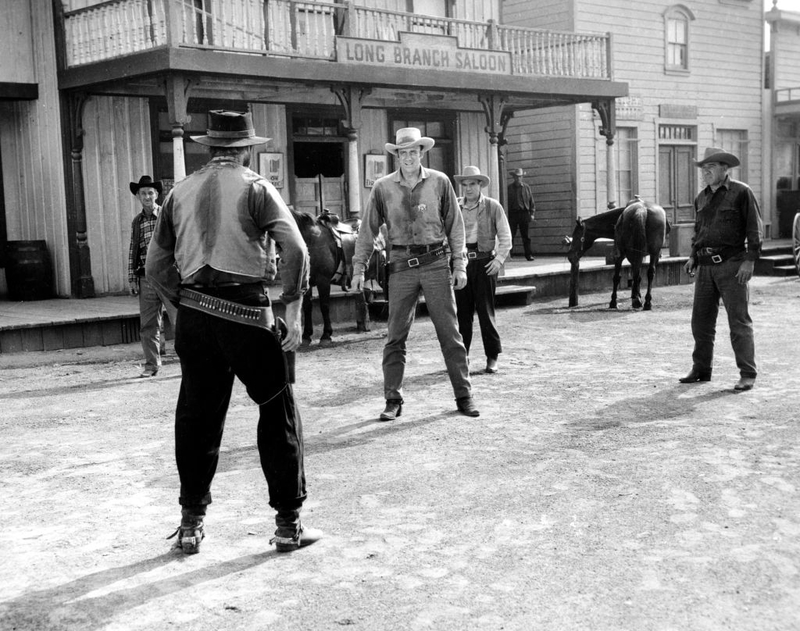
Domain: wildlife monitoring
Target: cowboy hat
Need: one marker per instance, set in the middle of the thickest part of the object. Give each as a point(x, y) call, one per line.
point(146, 181)
point(472, 173)
point(519, 172)
point(230, 129)
point(409, 137)
point(715, 154)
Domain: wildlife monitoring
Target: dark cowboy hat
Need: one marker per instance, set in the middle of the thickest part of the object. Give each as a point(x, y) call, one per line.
point(146, 181)
point(715, 154)
point(230, 129)
point(472, 173)
point(409, 137)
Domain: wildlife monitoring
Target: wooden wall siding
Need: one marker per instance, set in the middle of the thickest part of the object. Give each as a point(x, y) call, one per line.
point(785, 44)
point(270, 121)
point(117, 151)
point(638, 33)
point(543, 143)
point(16, 45)
point(473, 148)
point(33, 168)
point(477, 10)
point(549, 14)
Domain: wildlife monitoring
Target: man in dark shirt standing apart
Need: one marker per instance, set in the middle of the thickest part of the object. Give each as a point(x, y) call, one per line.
point(151, 306)
point(420, 210)
point(521, 210)
point(727, 242)
point(216, 225)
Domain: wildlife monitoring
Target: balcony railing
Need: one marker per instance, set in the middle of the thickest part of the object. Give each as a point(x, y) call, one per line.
point(115, 28)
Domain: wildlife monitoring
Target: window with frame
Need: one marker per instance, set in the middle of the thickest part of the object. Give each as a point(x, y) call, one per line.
point(677, 20)
point(626, 155)
point(440, 157)
point(735, 141)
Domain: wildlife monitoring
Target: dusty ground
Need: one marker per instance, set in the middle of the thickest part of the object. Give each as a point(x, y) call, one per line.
point(594, 492)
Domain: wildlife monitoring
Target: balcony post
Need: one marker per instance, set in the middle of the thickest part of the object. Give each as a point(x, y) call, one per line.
point(351, 98)
point(172, 16)
point(607, 110)
point(177, 88)
point(80, 254)
point(493, 109)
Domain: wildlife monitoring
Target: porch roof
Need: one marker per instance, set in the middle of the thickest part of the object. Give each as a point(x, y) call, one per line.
point(219, 73)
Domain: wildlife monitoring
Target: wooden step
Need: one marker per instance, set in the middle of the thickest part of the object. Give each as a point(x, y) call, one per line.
point(784, 270)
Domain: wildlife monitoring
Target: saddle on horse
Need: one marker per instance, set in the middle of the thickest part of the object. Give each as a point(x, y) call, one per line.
point(344, 235)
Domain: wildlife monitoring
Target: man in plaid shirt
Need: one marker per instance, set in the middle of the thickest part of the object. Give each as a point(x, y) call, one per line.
point(147, 192)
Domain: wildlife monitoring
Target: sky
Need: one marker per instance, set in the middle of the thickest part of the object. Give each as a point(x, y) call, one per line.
point(784, 5)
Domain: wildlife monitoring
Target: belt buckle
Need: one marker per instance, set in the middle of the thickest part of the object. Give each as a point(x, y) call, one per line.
point(716, 258)
point(413, 262)
point(472, 255)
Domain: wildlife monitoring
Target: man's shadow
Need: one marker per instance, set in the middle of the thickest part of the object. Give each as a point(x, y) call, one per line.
point(70, 605)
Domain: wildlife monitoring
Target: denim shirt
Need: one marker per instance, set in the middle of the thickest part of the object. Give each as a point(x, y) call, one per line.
point(216, 223)
point(494, 232)
point(424, 215)
point(726, 218)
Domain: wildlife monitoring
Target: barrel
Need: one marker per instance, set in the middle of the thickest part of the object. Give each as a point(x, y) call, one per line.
point(29, 270)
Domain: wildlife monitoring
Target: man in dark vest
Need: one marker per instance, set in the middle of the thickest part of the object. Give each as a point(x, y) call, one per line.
point(521, 209)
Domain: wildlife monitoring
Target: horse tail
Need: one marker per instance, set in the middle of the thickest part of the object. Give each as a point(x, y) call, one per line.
point(635, 228)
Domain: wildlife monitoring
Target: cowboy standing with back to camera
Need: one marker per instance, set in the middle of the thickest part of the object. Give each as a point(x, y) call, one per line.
point(216, 225)
point(727, 242)
point(420, 210)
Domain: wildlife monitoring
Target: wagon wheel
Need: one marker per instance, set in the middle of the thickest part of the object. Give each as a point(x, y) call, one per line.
point(796, 242)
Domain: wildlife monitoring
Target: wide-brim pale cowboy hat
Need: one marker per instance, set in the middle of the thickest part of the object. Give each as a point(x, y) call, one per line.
point(473, 173)
point(715, 154)
point(519, 172)
point(144, 182)
point(409, 137)
point(230, 129)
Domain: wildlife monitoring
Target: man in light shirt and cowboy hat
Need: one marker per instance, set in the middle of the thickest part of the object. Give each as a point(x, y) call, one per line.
point(425, 231)
point(216, 224)
point(728, 233)
point(488, 240)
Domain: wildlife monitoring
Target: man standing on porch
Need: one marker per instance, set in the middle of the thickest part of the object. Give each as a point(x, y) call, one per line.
point(420, 210)
point(151, 305)
point(521, 209)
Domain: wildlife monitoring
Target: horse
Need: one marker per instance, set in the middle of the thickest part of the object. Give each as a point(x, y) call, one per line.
point(331, 244)
point(638, 228)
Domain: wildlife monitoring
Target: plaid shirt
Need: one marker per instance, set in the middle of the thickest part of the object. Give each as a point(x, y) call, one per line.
point(141, 233)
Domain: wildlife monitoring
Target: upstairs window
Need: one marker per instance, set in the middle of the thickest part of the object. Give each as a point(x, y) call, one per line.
point(677, 20)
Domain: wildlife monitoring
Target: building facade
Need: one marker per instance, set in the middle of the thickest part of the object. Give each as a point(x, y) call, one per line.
point(695, 72)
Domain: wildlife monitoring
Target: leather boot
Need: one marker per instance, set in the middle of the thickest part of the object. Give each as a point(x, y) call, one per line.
point(191, 532)
point(291, 535)
point(696, 375)
point(393, 409)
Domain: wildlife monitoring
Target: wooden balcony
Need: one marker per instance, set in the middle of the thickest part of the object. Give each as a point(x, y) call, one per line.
point(308, 30)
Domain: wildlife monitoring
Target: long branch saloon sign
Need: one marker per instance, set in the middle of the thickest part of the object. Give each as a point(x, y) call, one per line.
point(425, 52)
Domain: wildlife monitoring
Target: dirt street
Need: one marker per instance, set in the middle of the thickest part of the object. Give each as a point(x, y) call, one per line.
point(594, 492)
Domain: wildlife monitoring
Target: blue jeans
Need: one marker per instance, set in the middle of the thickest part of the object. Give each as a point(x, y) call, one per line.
point(435, 282)
point(478, 296)
point(151, 324)
point(712, 283)
point(212, 351)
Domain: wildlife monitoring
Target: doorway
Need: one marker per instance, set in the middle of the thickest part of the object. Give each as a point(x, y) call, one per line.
point(318, 173)
point(677, 182)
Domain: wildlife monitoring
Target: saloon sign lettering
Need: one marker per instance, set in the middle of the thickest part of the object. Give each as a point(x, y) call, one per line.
point(425, 52)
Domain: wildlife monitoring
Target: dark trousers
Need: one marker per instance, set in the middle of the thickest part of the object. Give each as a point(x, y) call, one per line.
point(521, 220)
point(712, 283)
point(478, 296)
point(212, 351)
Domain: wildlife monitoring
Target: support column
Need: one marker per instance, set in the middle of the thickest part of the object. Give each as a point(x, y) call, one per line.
point(351, 98)
point(503, 142)
point(608, 128)
point(493, 109)
point(81, 260)
point(177, 88)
